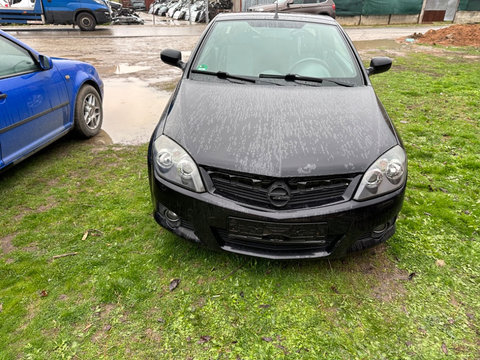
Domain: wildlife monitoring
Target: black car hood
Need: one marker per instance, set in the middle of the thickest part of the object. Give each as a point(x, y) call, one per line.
point(280, 131)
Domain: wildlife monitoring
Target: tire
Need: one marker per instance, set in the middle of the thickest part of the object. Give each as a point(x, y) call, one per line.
point(88, 112)
point(86, 21)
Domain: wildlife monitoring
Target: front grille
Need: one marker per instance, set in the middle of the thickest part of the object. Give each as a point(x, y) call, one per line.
point(274, 246)
point(257, 190)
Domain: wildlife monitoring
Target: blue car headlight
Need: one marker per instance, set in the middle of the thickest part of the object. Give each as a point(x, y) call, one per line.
point(385, 175)
point(174, 164)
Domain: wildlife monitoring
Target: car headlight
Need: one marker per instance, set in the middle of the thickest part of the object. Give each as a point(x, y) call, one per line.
point(175, 165)
point(385, 175)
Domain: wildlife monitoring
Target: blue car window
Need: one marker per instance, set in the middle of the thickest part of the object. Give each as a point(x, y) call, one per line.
point(14, 59)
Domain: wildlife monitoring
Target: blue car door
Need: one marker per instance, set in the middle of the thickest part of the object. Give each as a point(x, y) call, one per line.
point(34, 104)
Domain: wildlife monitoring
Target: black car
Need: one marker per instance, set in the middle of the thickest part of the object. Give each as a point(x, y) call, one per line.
point(274, 143)
point(137, 4)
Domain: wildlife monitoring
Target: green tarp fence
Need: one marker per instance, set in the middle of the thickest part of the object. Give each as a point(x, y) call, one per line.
point(469, 5)
point(380, 7)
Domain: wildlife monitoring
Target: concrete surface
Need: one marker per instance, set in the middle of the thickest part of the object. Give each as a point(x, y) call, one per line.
point(349, 20)
point(403, 19)
point(374, 19)
point(467, 17)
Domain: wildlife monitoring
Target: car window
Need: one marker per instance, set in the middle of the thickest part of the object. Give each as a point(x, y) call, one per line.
point(14, 59)
point(278, 47)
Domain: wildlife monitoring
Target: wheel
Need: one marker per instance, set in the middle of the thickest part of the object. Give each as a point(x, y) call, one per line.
point(86, 21)
point(88, 112)
point(310, 67)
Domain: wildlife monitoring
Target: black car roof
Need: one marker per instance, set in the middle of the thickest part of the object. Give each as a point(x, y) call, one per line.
point(251, 15)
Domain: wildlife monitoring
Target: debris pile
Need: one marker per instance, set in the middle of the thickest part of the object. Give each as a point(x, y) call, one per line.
point(455, 35)
point(186, 10)
point(124, 16)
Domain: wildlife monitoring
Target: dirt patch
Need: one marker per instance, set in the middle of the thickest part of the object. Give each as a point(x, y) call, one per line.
point(32, 310)
point(103, 311)
point(101, 140)
point(385, 279)
point(6, 244)
point(455, 35)
point(32, 248)
point(43, 208)
point(153, 335)
point(168, 85)
point(50, 203)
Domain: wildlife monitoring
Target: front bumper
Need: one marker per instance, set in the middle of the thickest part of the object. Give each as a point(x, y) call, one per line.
point(103, 16)
point(327, 231)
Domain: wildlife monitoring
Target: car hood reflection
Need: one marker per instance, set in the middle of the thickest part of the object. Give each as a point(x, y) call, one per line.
point(273, 131)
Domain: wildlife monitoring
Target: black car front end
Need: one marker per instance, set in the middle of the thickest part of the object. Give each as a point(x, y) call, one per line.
point(254, 159)
point(239, 213)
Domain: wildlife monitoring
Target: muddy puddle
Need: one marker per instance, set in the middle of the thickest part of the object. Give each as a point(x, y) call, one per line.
point(131, 109)
point(128, 69)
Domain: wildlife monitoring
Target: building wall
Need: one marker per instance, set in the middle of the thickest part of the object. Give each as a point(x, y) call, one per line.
point(467, 17)
point(351, 12)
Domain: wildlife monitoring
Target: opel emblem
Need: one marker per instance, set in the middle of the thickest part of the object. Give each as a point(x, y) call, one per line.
point(279, 194)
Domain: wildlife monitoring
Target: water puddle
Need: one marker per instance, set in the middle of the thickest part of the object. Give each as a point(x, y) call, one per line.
point(128, 69)
point(131, 110)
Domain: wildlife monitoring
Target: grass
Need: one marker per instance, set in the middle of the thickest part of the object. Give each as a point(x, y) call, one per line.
point(415, 298)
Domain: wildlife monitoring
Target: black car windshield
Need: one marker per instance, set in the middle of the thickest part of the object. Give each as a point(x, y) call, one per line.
point(272, 49)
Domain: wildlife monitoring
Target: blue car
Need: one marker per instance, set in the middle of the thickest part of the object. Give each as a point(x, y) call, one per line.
point(42, 99)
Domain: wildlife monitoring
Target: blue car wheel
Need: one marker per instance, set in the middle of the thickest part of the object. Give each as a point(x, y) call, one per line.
point(88, 112)
point(86, 21)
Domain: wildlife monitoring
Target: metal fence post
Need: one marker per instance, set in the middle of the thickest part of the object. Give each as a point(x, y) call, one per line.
point(420, 17)
point(206, 14)
point(190, 13)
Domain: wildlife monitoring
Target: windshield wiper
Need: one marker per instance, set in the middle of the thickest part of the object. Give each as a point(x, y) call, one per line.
point(223, 75)
point(295, 77)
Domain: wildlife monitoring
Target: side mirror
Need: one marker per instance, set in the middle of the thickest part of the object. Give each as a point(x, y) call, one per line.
point(45, 62)
point(379, 65)
point(172, 57)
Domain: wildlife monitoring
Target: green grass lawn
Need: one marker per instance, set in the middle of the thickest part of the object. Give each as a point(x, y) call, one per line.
point(417, 297)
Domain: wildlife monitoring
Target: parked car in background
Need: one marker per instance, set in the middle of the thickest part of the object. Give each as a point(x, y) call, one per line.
point(115, 6)
point(85, 13)
point(138, 4)
point(318, 7)
point(274, 143)
point(42, 99)
point(23, 4)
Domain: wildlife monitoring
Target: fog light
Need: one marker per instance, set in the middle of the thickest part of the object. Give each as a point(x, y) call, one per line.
point(173, 219)
point(379, 230)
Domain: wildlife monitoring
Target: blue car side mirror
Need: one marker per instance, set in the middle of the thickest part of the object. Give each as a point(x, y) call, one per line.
point(45, 62)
